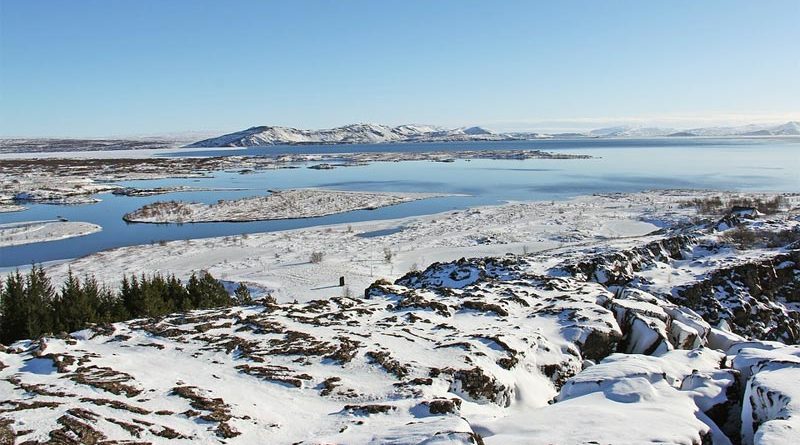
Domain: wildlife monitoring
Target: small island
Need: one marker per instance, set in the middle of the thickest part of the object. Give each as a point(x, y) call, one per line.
point(284, 204)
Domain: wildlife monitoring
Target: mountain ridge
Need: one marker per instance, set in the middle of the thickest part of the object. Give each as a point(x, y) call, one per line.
point(360, 133)
point(366, 133)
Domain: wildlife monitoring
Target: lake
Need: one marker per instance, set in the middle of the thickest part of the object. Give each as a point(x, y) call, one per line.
point(619, 165)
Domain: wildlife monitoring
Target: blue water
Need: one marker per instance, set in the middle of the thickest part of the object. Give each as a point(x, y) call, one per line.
point(543, 144)
point(617, 166)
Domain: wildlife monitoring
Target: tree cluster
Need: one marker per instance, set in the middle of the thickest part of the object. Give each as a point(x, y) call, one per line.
point(31, 307)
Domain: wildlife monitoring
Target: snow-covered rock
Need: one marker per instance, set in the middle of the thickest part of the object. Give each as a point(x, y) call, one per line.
point(517, 349)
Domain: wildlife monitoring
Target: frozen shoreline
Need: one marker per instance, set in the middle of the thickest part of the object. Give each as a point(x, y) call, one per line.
point(15, 234)
point(285, 204)
point(7, 208)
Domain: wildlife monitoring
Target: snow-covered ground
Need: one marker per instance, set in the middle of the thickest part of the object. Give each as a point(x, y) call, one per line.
point(11, 208)
point(96, 154)
point(279, 262)
point(282, 204)
point(27, 232)
point(579, 344)
point(50, 189)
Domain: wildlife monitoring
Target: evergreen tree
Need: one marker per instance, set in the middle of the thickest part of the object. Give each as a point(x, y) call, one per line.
point(92, 291)
point(132, 299)
point(154, 296)
point(242, 295)
point(29, 307)
point(206, 291)
point(177, 294)
point(76, 307)
point(39, 304)
point(12, 318)
point(109, 306)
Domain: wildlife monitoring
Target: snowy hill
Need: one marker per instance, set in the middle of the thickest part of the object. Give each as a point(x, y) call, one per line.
point(376, 134)
point(349, 134)
point(787, 129)
point(629, 131)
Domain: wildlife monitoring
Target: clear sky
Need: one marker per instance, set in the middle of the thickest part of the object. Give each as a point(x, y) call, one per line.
point(98, 68)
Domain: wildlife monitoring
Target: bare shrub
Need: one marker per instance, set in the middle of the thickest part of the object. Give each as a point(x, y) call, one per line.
point(387, 255)
point(316, 257)
point(741, 237)
point(745, 238)
point(767, 206)
point(708, 205)
point(782, 238)
point(717, 205)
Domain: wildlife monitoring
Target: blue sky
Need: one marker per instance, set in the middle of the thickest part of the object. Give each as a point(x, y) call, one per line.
point(98, 68)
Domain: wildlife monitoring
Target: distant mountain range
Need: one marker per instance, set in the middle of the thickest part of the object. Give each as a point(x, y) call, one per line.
point(349, 134)
point(376, 134)
point(787, 129)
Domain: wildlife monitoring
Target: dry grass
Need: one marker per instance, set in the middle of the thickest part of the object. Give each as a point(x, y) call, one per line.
point(718, 205)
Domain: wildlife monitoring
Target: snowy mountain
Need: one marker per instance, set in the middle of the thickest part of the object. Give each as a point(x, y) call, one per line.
point(349, 134)
point(787, 129)
point(377, 133)
point(630, 131)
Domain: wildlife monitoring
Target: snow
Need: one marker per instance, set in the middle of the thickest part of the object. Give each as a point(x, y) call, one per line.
point(11, 208)
point(772, 406)
point(14, 234)
point(348, 134)
point(634, 411)
point(519, 348)
point(50, 189)
point(97, 154)
point(278, 262)
point(771, 402)
point(267, 410)
point(284, 204)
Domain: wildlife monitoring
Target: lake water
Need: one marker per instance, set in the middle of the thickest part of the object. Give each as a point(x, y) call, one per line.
point(619, 166)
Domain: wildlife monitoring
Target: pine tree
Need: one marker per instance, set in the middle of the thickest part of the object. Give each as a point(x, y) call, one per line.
point(76, 307)
point(154, 295)
point(206, 291)
point(177, 294)
point(38, 306)
point(29, 307)
point(12, 318)
point(92, 291)
point(242, 295)
point(132, 297)
point(109, 306)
